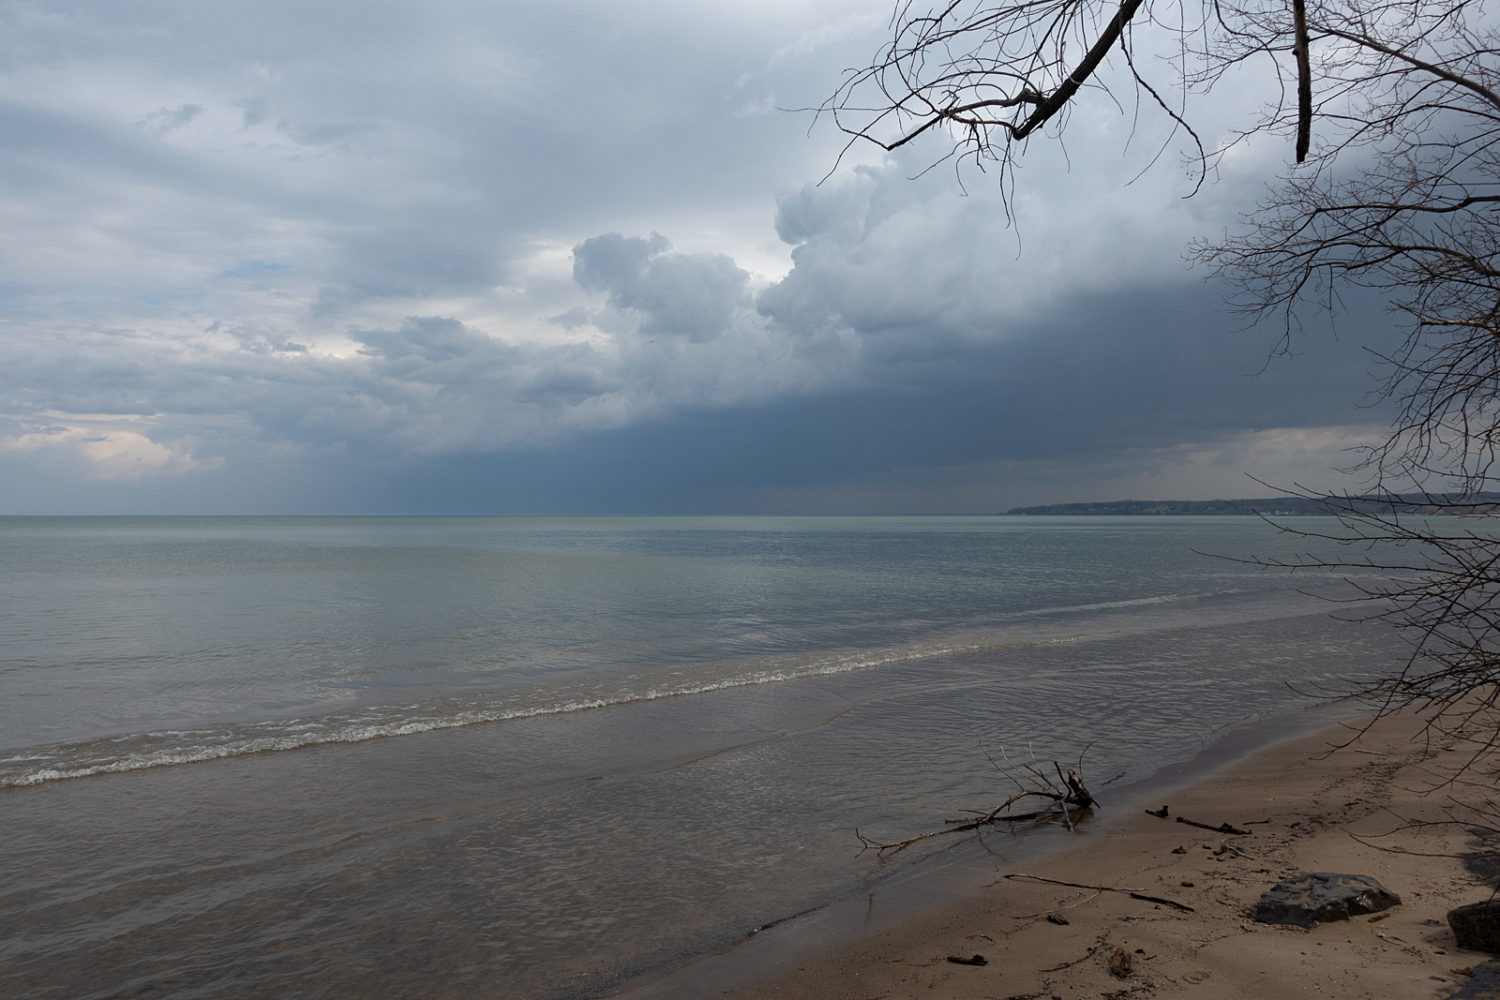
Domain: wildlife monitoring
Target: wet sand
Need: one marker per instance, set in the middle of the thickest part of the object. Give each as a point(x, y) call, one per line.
point(1305, 810)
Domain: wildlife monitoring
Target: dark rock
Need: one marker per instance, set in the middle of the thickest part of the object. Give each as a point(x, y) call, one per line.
point(1477, 926)
point(1310, 899)
point(1483, 984)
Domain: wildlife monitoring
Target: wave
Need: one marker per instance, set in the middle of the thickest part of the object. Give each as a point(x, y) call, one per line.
point(169, 747)
point(1128, 603)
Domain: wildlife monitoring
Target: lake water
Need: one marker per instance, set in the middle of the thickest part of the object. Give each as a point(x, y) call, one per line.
point(359, 757)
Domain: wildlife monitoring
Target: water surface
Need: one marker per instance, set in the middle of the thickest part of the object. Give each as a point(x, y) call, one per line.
point(386, 756)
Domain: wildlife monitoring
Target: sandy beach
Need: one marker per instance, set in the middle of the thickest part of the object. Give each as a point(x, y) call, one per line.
point(1305, 810)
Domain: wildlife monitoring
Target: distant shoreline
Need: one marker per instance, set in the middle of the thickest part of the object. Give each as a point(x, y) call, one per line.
point(1283, 506)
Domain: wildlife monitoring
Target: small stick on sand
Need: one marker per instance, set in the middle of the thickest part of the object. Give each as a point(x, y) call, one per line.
point(1132, 893)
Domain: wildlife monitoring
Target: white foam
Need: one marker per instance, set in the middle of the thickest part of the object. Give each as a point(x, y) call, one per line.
point(164, 748)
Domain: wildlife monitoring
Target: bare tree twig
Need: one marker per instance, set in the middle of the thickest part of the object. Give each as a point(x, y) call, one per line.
point(1393, 110)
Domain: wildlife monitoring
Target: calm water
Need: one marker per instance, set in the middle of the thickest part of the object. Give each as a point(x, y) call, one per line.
point(528, 758)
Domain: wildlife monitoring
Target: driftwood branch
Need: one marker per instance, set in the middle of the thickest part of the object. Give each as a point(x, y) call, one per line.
point(1221, 828)
point(1067, 794)
point(1132, 893)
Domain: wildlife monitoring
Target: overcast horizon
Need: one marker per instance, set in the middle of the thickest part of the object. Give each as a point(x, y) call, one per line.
point(567, 258)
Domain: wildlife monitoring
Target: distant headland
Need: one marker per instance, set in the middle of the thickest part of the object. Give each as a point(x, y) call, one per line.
point(1283, 506)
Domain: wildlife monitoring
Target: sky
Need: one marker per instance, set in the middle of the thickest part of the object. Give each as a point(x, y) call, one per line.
point(562, 257)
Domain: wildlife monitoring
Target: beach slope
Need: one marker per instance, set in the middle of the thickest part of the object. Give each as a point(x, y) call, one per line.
point(1304, 810)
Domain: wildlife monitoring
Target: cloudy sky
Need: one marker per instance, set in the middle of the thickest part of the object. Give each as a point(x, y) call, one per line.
point(576, 257)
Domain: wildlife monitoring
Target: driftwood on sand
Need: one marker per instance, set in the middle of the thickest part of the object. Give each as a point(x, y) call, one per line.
point(1066, 795)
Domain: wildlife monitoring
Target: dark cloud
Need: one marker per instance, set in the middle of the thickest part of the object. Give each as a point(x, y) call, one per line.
point(167, 119)
point(256, 110)
point(1143, 376)
point(428, 338)
point(693, 296)
point(1146, 375)
point(608, 262)
point(268, 254)
point(385, 259)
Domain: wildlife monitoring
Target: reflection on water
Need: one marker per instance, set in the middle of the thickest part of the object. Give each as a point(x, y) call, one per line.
point(848, 673)
point(556, 854)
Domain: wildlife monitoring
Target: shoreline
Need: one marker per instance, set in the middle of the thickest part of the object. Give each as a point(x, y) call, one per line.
point(1303, 808)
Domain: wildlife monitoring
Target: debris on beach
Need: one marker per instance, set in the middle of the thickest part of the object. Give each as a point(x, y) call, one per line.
point(1477, 926)
point(1483, 982)
point(1309, 899)
point(1069, 797)
point(1221, 828)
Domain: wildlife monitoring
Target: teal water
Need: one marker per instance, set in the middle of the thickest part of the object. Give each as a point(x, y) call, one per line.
point(390, 756)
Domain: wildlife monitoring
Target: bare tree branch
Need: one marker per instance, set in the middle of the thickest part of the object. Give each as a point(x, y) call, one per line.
point(1304, 79)
point(1393, 116)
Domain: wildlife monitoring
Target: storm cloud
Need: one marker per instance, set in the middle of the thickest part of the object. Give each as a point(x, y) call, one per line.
point(543, 258)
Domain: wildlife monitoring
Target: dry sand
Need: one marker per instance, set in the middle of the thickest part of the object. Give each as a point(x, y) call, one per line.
point(1306, 810)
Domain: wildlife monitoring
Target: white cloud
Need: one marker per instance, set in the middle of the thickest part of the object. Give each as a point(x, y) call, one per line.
point(99, 446)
